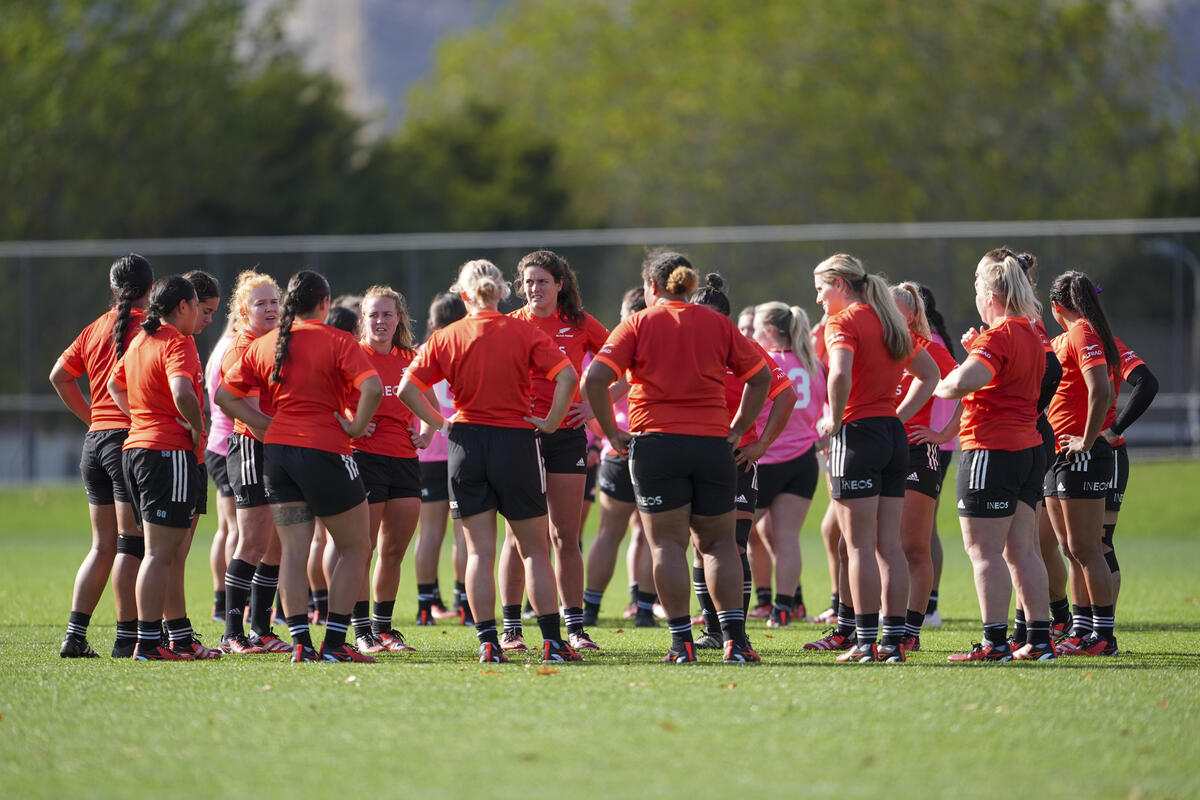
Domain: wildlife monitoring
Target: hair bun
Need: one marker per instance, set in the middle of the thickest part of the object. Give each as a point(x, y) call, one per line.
point(715, 281)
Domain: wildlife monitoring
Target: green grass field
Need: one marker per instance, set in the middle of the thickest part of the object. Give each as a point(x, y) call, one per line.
point(436, 724)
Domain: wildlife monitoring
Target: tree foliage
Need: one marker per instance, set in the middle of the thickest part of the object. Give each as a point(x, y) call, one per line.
point(676, 112)
point(131, 118)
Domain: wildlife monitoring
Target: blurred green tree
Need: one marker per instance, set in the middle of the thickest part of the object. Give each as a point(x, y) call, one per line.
point(676, 112)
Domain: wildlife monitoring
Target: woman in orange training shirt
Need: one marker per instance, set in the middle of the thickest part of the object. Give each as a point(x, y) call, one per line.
point(387, 458)
point(306, 370)
point(158, 383)
point(869, 347)
point(493, 461)
point(681, 452)
point(1002, 459)
point(252, 574)
point(115, 537)
point(1078, 481)
point(548, 284)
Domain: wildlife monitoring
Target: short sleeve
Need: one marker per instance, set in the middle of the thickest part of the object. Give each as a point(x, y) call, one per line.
point(544, 356)
point(617, 351)
point(595, 334)
point(72, 357)
point(118, 373)
point(987, 349)
point(181, 358)
point(839, 335)
point(1086, 347)
point(1129, 360)
point(745, 356)
point(353, 362)
point(425, 370)
point(242, 379)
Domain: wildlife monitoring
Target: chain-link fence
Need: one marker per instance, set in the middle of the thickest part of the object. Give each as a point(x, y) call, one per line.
point(1149, 271)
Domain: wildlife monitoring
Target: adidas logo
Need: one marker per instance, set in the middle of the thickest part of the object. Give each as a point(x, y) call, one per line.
point(913, 477)
point(581, 463)
point(961, 504)
point(741, 498)
point(1062, 487)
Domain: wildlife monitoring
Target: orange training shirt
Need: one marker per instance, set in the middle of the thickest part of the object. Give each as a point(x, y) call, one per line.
point(145, 372)
point(232, 356)
point(574, 341)
point(677, 354)
point(94, 353)
point(323, 365)
point(1002, 415)
point(1078, 349)
point(735, 387)
point(487, 358)
point(874, 373)
point(393, 419)
point(945, 364)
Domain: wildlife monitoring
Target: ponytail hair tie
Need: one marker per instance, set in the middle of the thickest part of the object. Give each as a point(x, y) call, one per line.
point(1098, 289)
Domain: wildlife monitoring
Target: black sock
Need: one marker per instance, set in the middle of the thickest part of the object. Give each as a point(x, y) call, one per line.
point(512, 618)
point(77, 625)
point(262, 596)
point(591, 601)
point(845, 619)
point(485, 631)
point(219, 602)
point(733, 626)
point(551, 627)
point(360, 618)
point(321, 601)
point(747, 584)
point(460, 593)
point(573, 616)
point(127, 631)
point(995, 635)
point(335, 631)
point(1102, 621)
point(933, 598)
point(1019, 635)
point(298, 628)
point(1110, 557)
point(1039, 632)
point(798, 599)
point(762, 596)
point(712, 624)
point(312, 603)
point(633, 592)
point(913, 620)
point(783, 602)
point(279, 615)
point(1060, 611)
point(179, 630)
point(833, 601)
point(681, 631)
point(528, 609)
point(867, 627)
point(1081, 620)
point(381, 620)
point(149, 633)
point(893, 631)
point(425, 596)
point(437, 596)
point(645, 605)
point(238, 578)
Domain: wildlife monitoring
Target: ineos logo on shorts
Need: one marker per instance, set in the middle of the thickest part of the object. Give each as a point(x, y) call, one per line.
point(650, 501)
point(1119, 497)
point(607, 484)
point(1095, 486)
point(454, 504)
point(997, 505)
point(869, 483)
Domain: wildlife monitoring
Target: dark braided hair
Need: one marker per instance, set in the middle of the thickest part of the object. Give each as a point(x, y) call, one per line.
point(712, 294)
point(1074, 291)
point(343, 318)
point(130, 277)
point(305, 291)
point(935, 317)
point(165, 297)
point(570, 305)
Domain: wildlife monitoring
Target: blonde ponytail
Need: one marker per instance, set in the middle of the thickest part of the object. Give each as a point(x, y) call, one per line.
point(909, 294)
point(482, 282)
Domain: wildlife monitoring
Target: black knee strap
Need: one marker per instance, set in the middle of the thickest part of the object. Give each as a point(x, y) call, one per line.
point(131, 546)
point(1110, 557)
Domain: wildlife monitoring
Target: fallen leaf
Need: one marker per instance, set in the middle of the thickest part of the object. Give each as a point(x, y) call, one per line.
point(267, 687)
point(350, 679)
point(667, 726)
point(1162, 704)
point(619, 630)
point(730, 686)
point(768, 636)
point(489, 672)
point(546, 671)
point(1087, 676)
point(1, 718)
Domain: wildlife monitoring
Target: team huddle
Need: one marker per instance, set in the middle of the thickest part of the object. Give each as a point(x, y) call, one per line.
point(334, 437)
